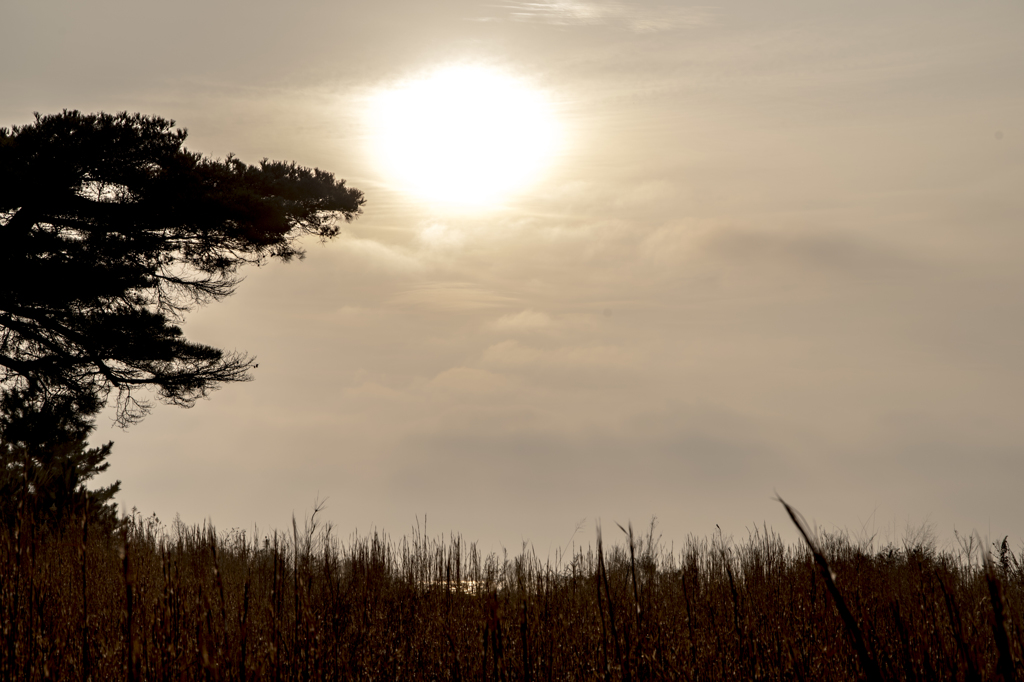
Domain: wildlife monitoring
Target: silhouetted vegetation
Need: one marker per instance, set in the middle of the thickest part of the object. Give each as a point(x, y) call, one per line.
point(190, 604)
point(46, 464)
point(110, 231)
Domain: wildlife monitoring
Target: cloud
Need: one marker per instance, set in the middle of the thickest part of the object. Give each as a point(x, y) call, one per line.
point(525, 320)
point(441, 236)
point(804, 253)
point(450, 297)
point(514, 355)
point(469, 381)
point(575, 366)
point(370, 254)
point(638, 20)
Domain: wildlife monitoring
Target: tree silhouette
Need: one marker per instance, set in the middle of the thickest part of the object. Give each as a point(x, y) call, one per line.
point(110, 231)
point(45, 464)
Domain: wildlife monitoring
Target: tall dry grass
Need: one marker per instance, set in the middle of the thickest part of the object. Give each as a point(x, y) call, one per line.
point(187, 603)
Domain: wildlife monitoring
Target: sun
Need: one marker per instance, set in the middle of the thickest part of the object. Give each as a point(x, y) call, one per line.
point(465, 135)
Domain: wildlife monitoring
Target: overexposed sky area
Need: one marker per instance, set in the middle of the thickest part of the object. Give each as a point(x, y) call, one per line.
point(771, 247)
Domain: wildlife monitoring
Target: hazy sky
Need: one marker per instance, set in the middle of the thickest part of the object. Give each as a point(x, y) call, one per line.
point(778, 247)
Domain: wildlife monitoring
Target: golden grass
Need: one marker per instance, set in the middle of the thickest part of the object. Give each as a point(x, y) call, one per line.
point(191, 604)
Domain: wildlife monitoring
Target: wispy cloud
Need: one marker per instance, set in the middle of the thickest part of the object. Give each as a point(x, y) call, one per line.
point(526, 320)
point(450, 297)
point(637, 19)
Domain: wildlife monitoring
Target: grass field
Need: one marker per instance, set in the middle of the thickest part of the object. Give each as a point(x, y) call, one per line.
point(187, 603)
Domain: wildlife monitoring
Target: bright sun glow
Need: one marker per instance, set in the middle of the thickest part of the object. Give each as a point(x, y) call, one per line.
point(463, 135)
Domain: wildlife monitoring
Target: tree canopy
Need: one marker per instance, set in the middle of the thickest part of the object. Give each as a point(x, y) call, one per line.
point(110, 231)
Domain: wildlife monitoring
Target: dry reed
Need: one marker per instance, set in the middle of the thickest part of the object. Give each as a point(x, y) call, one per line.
point(187, 603)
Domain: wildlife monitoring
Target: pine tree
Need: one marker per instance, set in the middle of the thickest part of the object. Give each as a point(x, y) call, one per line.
point(110, 231)
point(46, 464)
